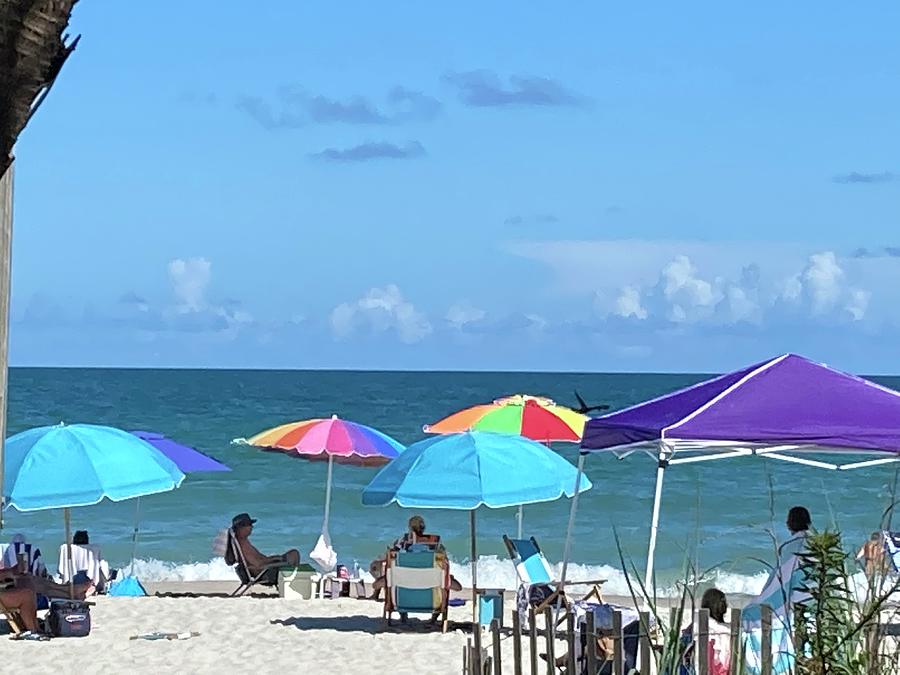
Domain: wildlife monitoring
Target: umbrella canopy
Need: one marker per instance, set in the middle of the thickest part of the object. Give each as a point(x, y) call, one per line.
point(534, 417)
point(80, 464)
point(186, 458)
point(786, 401)
point(335, 439)
point(785, 408)
point(472, 469)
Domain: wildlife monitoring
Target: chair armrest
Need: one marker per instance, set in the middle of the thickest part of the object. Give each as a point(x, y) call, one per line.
point(580, 582)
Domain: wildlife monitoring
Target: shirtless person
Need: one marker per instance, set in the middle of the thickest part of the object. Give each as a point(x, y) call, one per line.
point(242, 524)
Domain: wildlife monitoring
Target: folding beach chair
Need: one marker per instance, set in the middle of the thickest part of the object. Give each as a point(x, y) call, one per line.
point(235, 556)
point(417, 581)
point(533, 570)
point(13, 618)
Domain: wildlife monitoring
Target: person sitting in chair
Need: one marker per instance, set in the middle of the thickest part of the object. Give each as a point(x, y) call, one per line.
point(414, 535)
point(242, 525)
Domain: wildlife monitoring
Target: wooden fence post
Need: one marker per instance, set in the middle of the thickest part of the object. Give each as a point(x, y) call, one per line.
point(476, 656)
point(495, 643)
point(532, 638)
point(618, 645)
point(570, 642)
point(737, 654)
point(765, 642)
point(591, 645)
point(550, 633)
point(701, 645)
point(517, 643)
point(644, 643)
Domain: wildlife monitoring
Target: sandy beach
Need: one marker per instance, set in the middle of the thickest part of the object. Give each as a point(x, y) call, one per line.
point(259, 633)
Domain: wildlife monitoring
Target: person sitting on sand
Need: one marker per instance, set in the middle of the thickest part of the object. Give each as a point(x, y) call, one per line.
point(414, 535)
point(242, 525)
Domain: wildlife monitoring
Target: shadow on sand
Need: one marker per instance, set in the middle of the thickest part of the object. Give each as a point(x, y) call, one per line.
point(360, 624)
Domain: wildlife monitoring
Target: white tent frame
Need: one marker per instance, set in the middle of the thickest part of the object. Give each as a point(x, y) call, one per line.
point(666, 450)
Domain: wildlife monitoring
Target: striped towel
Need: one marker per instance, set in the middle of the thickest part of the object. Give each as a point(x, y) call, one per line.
point(781, 592)
point(18, 546)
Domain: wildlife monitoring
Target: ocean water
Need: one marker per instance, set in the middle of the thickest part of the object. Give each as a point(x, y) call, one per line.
point(720, 515)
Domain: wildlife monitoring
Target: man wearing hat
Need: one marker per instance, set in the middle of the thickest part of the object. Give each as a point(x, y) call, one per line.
point(242, 525)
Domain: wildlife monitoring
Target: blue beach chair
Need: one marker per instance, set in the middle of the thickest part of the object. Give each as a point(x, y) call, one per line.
point(538, 586)
point(418, 582)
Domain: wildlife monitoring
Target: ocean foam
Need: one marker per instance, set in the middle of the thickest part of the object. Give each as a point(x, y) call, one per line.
point(493, 572)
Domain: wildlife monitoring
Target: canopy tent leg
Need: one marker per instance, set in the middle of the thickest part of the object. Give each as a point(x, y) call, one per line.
point(654, 521)
point(327, 495)
point(474, 572)
point(573, 509)
point(520, 516)
point(70, 566)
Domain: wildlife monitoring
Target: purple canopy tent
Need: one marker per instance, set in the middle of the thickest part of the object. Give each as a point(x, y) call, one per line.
point(783, 408)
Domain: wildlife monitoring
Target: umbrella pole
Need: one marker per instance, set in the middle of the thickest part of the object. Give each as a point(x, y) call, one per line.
point(134, 536)
point(520, 517)
point(474, 571)
point(327, 496)
point(654, 520)
point(573, 509)
point(69, 564)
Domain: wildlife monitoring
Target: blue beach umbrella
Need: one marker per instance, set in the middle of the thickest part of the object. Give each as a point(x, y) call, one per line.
point(65, 466)
point(472, 469)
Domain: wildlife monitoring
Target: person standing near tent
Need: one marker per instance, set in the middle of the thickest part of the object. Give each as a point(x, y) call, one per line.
point(780, 592)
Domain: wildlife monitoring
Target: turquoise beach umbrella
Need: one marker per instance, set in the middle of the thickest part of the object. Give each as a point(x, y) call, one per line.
point(81, 464)
point(472, 469)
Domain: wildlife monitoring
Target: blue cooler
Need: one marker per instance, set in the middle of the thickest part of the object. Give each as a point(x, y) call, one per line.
point(490, 605)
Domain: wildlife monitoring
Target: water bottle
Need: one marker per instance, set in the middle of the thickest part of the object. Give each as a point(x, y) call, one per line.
point(356, 569)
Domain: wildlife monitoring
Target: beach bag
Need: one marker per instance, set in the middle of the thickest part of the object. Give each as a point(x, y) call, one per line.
point(69, 618)
point(323, 555)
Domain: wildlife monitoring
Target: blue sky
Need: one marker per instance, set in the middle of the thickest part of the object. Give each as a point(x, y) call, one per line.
point(587, 187)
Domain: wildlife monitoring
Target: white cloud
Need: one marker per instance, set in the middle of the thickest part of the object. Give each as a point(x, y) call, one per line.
point(687, 295)
point(858, 303)
point(822, 280)
point(461, 313)
point(381, 310)
point(628, 304)
point(190, 279)
point(193, 311)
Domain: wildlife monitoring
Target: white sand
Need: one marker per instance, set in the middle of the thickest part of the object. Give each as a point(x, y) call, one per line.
point(263, 634)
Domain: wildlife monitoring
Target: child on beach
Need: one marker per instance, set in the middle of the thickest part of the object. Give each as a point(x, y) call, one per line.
point(719, 642)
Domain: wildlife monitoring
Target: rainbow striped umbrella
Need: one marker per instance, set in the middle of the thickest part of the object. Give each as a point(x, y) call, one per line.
point(534, 417)
point(333, 439)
